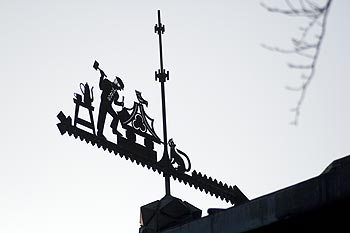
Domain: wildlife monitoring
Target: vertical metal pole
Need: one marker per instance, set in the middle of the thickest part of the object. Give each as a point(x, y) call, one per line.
point(160, 31)
point(162, 76)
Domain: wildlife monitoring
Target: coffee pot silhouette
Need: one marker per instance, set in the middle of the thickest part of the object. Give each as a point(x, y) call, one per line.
point(87, 93)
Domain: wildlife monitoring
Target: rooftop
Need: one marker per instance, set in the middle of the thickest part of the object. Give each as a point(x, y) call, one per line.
point(317, 204)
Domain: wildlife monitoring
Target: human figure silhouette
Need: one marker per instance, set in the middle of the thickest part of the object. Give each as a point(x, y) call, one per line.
point(109, 95)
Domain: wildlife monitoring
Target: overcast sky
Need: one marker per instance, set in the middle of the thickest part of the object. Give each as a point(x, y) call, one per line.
point(227, 105)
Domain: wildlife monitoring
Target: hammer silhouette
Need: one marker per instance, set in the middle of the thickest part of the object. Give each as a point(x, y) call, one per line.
point(96, 67)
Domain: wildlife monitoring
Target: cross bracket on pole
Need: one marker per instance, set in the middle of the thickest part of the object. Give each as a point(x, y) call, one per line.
point(162, 75)
point(159, 29)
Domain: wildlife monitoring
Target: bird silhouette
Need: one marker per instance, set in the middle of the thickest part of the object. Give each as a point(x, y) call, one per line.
point(140, 99)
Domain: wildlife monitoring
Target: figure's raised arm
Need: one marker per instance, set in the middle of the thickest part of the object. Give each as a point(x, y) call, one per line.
point(103, 75)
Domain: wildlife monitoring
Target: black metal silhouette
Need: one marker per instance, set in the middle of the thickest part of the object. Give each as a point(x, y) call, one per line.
point(109, 95)
point(140, 99)
point(87, 93)
point(175, 158)
point(199, 181)
point(86, 103)
point(135, 121)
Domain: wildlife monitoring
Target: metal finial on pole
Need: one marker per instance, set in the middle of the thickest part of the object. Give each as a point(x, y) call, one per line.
point(161, 75)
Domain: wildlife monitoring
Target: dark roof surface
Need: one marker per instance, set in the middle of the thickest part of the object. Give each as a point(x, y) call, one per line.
point(318, 204)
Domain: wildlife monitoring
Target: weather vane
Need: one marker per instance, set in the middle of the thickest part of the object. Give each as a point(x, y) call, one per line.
point(135, 122)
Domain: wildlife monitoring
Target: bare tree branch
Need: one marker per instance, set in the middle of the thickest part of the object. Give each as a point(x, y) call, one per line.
point(306, 45)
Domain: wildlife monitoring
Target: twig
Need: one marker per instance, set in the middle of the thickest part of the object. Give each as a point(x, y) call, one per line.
point(318, 17)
